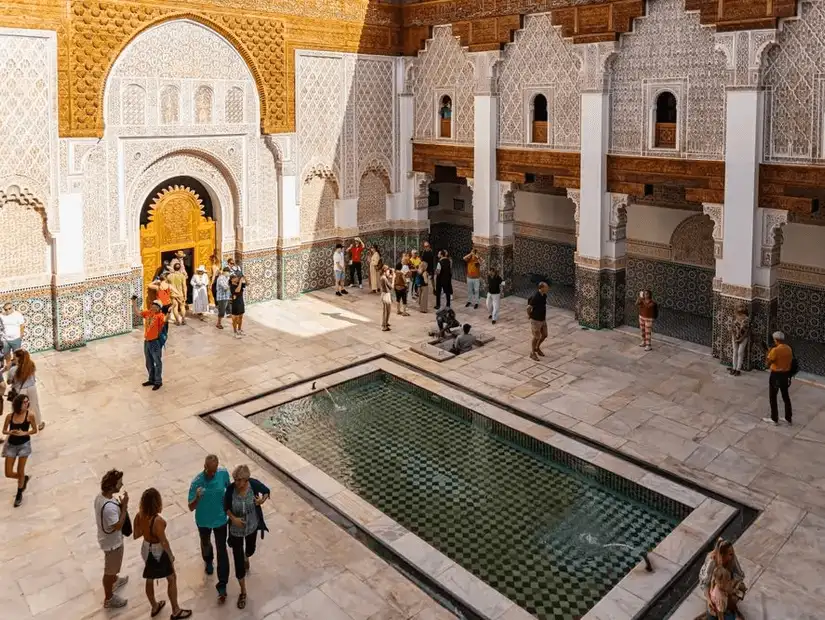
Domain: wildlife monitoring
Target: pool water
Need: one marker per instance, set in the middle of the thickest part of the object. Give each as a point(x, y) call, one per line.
point(551, 537)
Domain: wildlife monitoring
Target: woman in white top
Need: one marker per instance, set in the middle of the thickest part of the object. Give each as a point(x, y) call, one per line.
point(22, 378)
point(200, 292)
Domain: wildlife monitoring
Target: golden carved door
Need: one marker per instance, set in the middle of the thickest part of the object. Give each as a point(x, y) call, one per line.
point(176, 222)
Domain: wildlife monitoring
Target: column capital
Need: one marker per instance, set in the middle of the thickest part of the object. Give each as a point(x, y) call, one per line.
point(485, 71)
point(421, 181)
point(772, 223)
point(716, 213)
point(594, 64)
point(744, 52)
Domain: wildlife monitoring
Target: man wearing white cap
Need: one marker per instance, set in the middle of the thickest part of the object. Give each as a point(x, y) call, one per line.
point(200, 292)
point(781, 363)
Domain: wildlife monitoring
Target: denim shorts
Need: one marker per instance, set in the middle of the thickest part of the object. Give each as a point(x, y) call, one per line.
point(11, 451)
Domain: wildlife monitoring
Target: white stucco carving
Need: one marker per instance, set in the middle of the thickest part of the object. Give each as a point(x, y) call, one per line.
point(540, 60)
point(669, 44)
point(793, 78)
point(444, 65)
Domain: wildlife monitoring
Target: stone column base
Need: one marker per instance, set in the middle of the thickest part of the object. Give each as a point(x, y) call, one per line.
point(498, 255)
point(600, 297)
point(763, 313)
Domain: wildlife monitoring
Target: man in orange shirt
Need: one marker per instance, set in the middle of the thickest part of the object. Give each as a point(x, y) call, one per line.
point(153, 323)
point(473, 261)
point(780, 361)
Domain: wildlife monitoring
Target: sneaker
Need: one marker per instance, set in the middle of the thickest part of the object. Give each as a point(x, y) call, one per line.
point(648, 348)
point(490, 317)
point(344, 291)
point(475, 307)
point(237, 336)
point(147, 383)
point(18, 499)
point(157, 387)
point(337, 293)
point(786, 422)
point(770, 421)
point(353, 285)
point(210, 568)
point(641, 344)
point(467, 305)
point(115, 602)
point(494, 322)
point(121, 581)
point(534, 357)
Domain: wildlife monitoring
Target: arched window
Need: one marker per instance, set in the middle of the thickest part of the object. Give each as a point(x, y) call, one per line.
point(169, 105)
point(665, 121)
point(234, 105)
point(445, 116)
point(539, 124)
point(203, 105)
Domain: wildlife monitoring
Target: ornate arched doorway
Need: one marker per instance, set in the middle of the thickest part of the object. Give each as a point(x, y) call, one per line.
point(176, 217)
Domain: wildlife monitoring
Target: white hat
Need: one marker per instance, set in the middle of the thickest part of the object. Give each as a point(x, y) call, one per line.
point(201, 268)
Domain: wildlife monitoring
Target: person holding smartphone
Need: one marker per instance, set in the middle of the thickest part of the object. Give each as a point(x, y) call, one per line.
point(648, 312)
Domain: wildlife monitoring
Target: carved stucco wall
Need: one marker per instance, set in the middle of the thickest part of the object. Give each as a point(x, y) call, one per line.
point(444, 68)
point(178, 89)
point(28, 155)
point(345, 119)
point(318, 207)
point(692, 241)
point(794, 77)
point(372, 201)
point(540, 61)
point(669, 49)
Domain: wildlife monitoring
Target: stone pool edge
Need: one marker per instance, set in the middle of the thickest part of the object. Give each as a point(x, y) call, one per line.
point(626, 600)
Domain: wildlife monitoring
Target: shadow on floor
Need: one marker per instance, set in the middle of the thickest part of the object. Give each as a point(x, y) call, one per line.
point(676, 324)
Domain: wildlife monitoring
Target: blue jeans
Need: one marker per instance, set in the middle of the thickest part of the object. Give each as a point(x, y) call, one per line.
point(152, 351)
point(472, 290)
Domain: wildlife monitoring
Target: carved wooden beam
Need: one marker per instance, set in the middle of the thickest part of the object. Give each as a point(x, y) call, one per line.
point(592, 23)
point(513, 165)
point(428, 155)
point(492, 33)
point(798, 189)
point(741, 14)
point(702, 180)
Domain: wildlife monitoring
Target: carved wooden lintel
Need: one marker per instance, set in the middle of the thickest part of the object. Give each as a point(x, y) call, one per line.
point(729, 15)
point(491, 33)
point(798, 189)
point(593, 23)
point(513, 165)
point(427, 155)
point(702, 180)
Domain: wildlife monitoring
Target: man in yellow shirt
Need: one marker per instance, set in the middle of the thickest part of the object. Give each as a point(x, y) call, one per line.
point(780, 361)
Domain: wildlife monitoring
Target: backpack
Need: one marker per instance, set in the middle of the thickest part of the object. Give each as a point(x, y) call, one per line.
point(794, 366)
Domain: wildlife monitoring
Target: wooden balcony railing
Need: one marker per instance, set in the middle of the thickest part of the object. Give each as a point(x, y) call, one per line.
point(665, 136)
point(539, 132)
point(446, 129)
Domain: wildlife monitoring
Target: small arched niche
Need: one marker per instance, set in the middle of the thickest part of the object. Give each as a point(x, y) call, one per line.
point(666, 119)
point(538, 125)
point(445, 117)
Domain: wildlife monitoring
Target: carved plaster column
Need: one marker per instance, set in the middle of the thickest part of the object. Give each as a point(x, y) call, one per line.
point(601, 217)
point(740, 272)
point(289, 216)
point(408, 210)
point(492, 219)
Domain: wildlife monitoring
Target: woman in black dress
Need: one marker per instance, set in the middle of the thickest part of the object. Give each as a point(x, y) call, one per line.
point(237, 284)
point(443, 278)
point(157, 554)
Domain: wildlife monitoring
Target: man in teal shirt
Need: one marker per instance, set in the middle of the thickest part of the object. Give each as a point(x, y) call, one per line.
point(206, 499)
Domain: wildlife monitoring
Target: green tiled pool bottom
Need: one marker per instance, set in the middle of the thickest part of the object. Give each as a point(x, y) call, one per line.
point(546, 529)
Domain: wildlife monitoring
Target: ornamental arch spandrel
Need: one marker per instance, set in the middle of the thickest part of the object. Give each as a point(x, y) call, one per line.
point(100, 31)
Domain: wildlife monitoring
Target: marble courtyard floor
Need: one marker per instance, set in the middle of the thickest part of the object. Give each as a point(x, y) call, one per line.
point(674, 407)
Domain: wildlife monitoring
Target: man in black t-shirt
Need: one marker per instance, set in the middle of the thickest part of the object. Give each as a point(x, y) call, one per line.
point(537, 312)
point(494, 284)
point(428, 257)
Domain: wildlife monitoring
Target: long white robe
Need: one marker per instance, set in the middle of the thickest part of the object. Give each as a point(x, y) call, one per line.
point(200, 293)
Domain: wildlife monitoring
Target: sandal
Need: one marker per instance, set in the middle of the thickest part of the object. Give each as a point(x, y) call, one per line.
point(157, 609)
point(183, 613)
point(241, 601)
point(41, 426)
